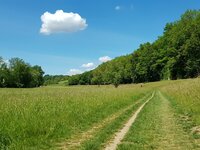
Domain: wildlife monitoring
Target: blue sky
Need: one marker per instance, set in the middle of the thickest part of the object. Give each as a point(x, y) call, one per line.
point(111, 28)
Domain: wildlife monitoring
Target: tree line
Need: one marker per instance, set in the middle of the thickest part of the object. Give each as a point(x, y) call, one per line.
point(174, 55)
point(16, 73)
point(55, 79)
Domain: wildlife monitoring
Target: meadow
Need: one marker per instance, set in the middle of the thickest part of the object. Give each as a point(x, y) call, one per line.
point(41, 117)
point(171, 120)
point(86, 117)
point(185, 99)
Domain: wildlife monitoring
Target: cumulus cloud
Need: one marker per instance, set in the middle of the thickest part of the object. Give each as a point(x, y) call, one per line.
point(117, 8)
point(88, 65)
point(62, 21)
point(74, 72)
point(104, 59)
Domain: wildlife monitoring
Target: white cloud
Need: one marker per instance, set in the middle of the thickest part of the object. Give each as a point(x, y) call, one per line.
point(62, 21)
point(74, 72)
point(88, 65)
point(104, 59)
point(117, 8)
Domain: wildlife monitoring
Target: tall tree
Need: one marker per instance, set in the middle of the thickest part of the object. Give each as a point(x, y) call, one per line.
point(19, 74)
point(36, 76)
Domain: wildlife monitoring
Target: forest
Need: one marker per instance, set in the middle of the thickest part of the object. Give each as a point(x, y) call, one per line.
point(174, 55)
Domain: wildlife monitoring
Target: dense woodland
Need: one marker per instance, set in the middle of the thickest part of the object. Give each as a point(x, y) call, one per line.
point(174, 55)
point(18, 74)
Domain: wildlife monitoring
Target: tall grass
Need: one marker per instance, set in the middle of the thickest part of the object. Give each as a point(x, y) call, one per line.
point(157, 128)
point(38, 118)
point(185, 97)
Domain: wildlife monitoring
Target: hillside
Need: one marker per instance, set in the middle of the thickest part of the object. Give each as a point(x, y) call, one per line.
point(174, 55)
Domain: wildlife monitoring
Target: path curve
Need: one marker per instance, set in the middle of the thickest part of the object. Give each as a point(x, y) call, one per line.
point(120, 135)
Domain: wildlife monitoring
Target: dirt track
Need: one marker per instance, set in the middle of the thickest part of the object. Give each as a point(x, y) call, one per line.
point(120, 135)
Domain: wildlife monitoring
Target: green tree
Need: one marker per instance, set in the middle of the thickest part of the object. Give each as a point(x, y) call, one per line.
point(74, 80)
point(174, 55)
point(117, 80)
point(36, 76)
point(20, 73)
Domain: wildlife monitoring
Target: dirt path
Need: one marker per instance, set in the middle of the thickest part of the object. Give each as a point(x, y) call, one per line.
point(120, 135)
point(157, 128)
point(76, 141)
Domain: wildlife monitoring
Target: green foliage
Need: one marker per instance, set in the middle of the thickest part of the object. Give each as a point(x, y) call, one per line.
point(37, 76)
point(83, 79)
point(54, 79)
point(117, 79)
point(19, 74)
point(114, 72)
point(74, 80)
point(174, 55)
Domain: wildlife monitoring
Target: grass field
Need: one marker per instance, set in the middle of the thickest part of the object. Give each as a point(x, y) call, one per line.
point(185, 99)
point(170, 121)
point(40, 117)
point(87, 117)
point(157, 128)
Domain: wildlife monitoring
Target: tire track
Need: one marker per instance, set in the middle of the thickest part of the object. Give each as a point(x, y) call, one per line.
point(76, 140)
point(120, 135)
